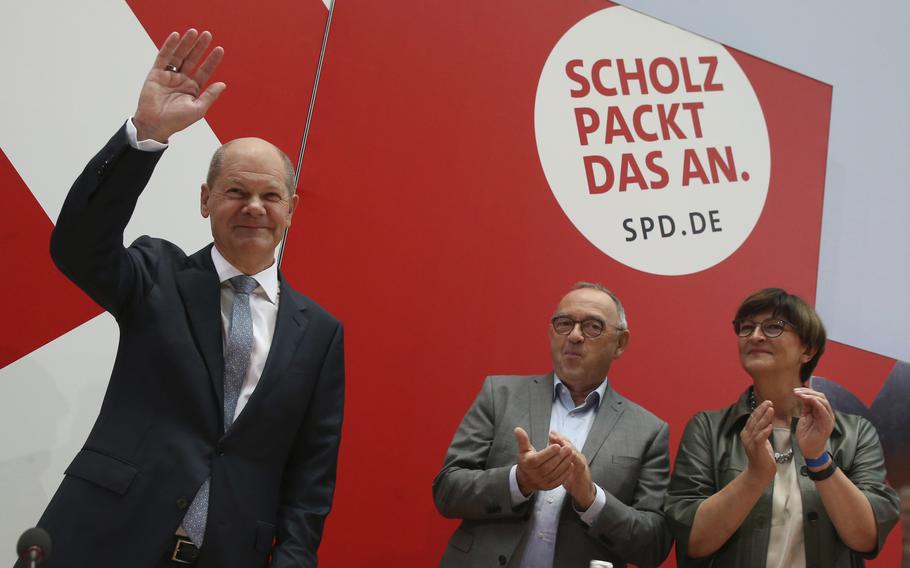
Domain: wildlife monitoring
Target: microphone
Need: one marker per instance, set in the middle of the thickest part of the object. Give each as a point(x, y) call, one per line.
point(34, 546)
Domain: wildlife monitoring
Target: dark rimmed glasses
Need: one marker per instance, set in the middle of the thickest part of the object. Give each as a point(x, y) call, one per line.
point(590, 328)
point(770, 328)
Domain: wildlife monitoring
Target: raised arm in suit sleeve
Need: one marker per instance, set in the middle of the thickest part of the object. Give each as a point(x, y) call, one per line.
point(309, 477)
point(471, 485)
point(87, 240)
point(638, 531)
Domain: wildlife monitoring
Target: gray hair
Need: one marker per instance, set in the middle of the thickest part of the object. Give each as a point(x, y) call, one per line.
point(218, 161)
point(620, 311)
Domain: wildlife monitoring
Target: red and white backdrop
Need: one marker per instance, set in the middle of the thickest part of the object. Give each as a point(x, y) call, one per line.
point(465, 165)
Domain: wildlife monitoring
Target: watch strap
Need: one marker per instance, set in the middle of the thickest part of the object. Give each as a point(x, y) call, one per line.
point(819, 461)
point(823, 474)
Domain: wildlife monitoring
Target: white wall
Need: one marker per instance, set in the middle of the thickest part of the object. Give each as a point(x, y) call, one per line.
point(65, 92)
point(861, 49)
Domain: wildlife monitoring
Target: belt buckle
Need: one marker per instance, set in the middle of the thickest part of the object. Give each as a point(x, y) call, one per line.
point(175, 556)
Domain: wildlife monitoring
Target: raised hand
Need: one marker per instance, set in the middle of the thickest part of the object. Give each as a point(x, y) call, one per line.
point(541, 470)
point(754, 437)
point(579, 483)
point(172, 97)
point(816, 421)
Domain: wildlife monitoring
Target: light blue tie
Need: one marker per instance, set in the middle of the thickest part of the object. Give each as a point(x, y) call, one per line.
point(236, 361)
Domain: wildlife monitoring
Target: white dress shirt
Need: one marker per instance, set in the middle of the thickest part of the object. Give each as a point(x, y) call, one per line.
point(264, 312)
point(573, 422)
point(786, 543)
point(263, 300)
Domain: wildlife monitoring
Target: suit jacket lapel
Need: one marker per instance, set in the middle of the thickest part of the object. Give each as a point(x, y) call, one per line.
point(289, 330)
point(611, 409)
point(541, 401)
point(201, 293)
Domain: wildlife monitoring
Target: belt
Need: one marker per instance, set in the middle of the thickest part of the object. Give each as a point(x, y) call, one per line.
point(183, 553)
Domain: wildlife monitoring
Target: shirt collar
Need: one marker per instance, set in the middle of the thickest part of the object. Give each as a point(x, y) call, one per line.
point(267, 279)
point(593, 399)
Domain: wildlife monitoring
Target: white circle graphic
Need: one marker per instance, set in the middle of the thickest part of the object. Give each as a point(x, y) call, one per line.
point(652, 141)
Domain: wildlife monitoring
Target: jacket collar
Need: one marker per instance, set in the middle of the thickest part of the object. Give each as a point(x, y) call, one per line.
point(199, 288)
point(290, 328)
point(611, 409)
point(612, 406)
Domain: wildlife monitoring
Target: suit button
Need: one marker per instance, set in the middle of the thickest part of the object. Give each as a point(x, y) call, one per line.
point(812, 516)
point(182, 503)
point(502, 560)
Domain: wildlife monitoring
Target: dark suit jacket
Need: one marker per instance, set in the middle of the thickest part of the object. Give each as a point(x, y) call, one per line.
point(159, 434)
point(627, 451)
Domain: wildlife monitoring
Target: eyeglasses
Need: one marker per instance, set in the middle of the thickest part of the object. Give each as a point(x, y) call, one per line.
point(590, 328)
point(770, 328)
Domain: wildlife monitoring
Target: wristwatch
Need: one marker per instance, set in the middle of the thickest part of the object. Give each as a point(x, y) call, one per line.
point(823, 474)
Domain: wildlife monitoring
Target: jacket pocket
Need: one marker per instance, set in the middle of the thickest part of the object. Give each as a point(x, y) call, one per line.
point(265, 536)
point(461, 540)
point(626, 460)
point(103, 470)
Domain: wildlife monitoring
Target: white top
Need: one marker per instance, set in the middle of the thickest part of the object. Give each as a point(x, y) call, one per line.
point(786, 546)
point(263, 300)
point(264, 312)
point(574, 422)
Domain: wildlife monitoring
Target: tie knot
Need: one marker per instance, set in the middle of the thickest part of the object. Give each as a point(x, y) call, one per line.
point(243, 284)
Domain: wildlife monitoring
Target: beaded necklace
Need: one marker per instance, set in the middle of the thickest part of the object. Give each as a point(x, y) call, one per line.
point(779, 457)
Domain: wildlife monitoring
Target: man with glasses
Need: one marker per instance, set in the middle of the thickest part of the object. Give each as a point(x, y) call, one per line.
point(559, 469)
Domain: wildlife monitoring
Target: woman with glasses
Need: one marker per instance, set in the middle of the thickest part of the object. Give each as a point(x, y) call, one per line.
point(779, 478)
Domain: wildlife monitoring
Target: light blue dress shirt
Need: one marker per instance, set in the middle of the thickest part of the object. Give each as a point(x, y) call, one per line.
point(573, 422)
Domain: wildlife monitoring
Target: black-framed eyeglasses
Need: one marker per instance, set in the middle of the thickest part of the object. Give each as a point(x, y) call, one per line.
point(770, 328)
point(590, 328)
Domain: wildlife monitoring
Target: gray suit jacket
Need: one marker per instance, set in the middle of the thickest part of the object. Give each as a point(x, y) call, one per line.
point(627, 450)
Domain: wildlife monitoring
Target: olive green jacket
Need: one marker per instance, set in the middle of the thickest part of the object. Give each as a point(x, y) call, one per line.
point(711, 455)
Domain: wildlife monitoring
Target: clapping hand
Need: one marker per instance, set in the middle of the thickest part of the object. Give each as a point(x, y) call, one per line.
point(579, 483)
point(755, 439)
point(816, 421)
point(541, 470)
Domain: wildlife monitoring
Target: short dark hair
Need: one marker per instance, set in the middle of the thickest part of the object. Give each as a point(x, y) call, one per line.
point(806, 321)
point(620, 310)
point(218, 161)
